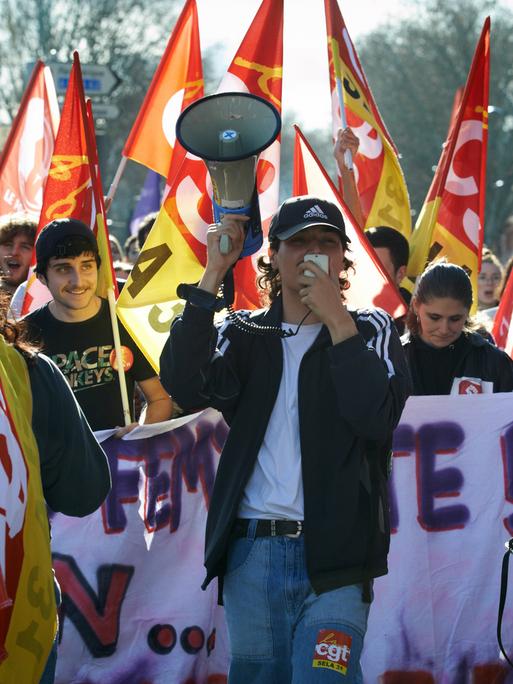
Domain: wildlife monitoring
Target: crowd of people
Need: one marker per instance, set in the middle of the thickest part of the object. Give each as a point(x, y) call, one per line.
point(310, 390)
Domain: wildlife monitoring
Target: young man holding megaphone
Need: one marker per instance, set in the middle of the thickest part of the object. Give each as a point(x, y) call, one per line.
point(298, 522)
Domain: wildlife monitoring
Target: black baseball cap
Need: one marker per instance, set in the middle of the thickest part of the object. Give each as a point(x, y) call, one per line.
point(54, 239)
point(298, 213)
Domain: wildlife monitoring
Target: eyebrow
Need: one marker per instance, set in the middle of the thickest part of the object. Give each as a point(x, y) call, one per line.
point(67, 262)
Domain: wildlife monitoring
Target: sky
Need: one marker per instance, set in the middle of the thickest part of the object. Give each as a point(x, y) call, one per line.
point(306, 79)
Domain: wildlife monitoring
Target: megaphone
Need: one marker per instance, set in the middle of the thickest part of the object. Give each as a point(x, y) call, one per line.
point(228, 131)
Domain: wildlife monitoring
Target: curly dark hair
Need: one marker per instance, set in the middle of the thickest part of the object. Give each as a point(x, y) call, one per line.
point(15, 332)
point(269, 282)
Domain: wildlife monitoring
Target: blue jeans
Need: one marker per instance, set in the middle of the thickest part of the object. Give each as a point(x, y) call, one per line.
point(281, 631)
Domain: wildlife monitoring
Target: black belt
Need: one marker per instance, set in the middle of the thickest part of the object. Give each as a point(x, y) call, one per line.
point(269, 528)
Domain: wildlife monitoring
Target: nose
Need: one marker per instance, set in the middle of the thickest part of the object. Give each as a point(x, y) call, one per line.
point(444, 326)
point(75, 276)
point(313, 247)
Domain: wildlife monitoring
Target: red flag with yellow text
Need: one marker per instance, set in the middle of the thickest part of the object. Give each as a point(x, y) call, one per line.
point(69, 191)
point(370, 284)
point(177, 82)
point(379, 179)
point(28, 149)
point(451, 222)
point(175, 250)
point(257, 69)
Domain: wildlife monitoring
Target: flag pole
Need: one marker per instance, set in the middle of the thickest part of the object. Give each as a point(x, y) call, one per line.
point(119, 356)
point(348, 157)
point(348, 180)
point(115, 183)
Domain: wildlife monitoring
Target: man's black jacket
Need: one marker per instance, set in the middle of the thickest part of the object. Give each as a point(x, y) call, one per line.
point(350, 398)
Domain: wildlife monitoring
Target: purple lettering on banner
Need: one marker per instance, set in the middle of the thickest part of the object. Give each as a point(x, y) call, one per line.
point(125, 485)
point(166, 461)
point(507, 463)
point(194, 461)
point(434, 439)
point(219, 435)
point(403, 445)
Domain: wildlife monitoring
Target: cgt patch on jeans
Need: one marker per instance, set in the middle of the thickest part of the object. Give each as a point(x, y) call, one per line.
point(332, 650)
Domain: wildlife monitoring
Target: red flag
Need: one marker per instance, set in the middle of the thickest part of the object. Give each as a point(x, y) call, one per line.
point(458, 96)
point(379, 178)
point(370, 284)
point(106, 276)
point(452, 218)
point(503, 324)
point(177, 82)
point(28, 149)
point(256, 69)
point(72, 188)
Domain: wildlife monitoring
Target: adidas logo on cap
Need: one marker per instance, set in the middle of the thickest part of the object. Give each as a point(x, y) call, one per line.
point(315, 212)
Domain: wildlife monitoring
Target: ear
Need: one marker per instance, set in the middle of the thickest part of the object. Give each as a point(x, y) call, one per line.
point(400, 275)
point(42, 279)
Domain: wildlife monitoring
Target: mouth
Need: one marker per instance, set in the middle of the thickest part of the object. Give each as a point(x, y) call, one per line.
point(76, 292)
point(12, 265)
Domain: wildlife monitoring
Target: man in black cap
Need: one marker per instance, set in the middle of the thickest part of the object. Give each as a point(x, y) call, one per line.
point(76, 331)
point(298, 522)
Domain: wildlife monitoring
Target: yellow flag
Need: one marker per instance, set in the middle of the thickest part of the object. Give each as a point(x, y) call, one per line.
point(148, 302)
point(379, 178)
point(28, 615)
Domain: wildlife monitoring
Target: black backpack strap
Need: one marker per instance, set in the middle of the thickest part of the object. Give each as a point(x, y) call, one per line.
point(502, 600)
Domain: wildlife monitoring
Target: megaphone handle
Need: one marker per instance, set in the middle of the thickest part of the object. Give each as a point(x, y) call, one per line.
point(228, 287)
point(225, 244)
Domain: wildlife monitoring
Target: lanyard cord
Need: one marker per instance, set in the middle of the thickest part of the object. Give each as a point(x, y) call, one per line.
point(502, 600)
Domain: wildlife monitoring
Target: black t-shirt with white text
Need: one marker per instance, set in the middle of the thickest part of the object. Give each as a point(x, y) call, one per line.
point(84, 353)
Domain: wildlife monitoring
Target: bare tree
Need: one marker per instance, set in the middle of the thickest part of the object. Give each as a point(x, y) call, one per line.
point(127, 35)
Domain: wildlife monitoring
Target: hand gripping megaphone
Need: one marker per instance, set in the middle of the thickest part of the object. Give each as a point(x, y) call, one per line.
point(228, 131)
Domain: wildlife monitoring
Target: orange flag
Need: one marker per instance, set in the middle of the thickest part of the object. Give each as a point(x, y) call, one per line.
point(451, 221)
point(28, 149)
point(380, 182)
point(70, 190)
point(177, 82)
point(370, 284)
point(256, 68)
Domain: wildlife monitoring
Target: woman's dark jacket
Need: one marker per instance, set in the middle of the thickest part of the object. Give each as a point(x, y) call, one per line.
point(475, 357)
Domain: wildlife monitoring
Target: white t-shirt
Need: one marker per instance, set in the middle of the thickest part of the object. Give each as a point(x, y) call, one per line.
point(275, 488)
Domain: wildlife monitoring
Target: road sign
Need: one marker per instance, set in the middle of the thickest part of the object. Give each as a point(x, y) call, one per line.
point(105, 111)
point(99, 79)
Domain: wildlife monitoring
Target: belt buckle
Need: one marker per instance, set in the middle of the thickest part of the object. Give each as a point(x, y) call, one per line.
point(298, 531)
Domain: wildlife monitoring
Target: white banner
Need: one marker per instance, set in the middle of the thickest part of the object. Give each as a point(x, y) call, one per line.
point(434, 616)
point(133, 610)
